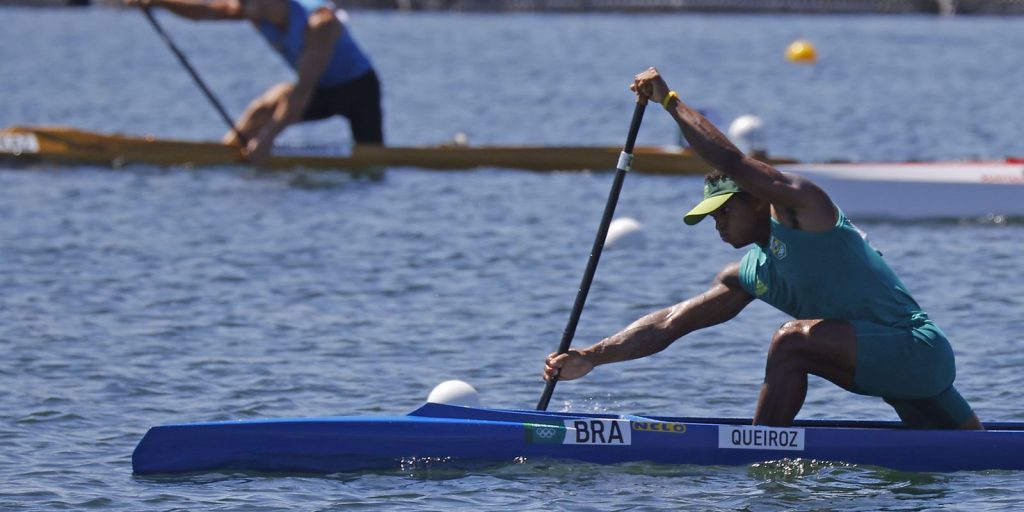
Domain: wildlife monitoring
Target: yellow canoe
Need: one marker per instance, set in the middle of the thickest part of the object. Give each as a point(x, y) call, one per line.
point(62, 145)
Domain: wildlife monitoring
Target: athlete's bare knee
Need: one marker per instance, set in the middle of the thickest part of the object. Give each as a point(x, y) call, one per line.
point(788, 347)
point(275, 93)
point(818, 347)
point(268, 101)
point(789, 340)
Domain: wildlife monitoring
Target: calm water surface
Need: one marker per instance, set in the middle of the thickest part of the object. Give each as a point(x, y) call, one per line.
point(142, 296)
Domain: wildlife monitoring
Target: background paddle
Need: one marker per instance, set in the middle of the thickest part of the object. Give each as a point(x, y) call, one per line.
point(625, 159)
point(195, 76)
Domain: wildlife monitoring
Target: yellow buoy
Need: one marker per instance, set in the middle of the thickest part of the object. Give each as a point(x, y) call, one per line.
point(801, 51)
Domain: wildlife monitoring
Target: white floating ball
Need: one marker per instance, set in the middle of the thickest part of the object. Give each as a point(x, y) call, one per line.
point(624, 231)
point(454, 392)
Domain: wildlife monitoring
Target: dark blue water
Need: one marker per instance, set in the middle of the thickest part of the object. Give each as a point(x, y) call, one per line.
point(142, 296)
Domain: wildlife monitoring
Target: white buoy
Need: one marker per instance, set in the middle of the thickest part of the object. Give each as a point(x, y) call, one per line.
point(745, 131)
point(623, 232)
point(454, 392)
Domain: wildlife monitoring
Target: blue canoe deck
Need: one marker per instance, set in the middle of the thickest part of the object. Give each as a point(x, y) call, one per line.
point(351, 443)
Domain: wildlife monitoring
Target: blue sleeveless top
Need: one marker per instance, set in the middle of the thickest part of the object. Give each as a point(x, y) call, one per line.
point(830, 275)
point(347, 63)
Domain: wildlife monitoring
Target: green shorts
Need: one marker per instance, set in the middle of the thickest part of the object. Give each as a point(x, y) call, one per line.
point(913, 370)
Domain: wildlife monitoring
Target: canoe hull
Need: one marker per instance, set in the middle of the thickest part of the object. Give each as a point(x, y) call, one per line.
point(462, 434)
point(62, 145)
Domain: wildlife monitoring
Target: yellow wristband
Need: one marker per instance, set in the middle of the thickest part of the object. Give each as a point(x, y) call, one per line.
point(668, 98)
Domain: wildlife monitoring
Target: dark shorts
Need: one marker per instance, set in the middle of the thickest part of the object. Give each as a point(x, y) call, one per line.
point(358, 101)
point(913, 370)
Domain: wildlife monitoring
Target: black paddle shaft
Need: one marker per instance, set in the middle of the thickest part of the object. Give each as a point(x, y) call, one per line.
point(195, 76)
point(595, 252)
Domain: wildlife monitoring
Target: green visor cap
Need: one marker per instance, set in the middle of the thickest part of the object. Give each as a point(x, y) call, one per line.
point(715, 195)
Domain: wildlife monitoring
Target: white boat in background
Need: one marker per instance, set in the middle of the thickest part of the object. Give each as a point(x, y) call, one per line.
point(919, 190)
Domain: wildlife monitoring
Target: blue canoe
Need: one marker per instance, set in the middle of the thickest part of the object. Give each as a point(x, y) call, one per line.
point(457, 433)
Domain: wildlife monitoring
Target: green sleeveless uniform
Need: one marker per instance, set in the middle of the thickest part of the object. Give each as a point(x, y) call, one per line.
point(901, 355)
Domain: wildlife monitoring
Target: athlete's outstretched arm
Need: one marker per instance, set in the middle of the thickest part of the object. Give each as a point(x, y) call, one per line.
point(656, 331)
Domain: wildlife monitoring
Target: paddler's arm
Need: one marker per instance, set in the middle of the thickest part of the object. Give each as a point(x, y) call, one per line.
point(195, 9)
point(656, 331)
point(797, 202)
point(323, 30)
